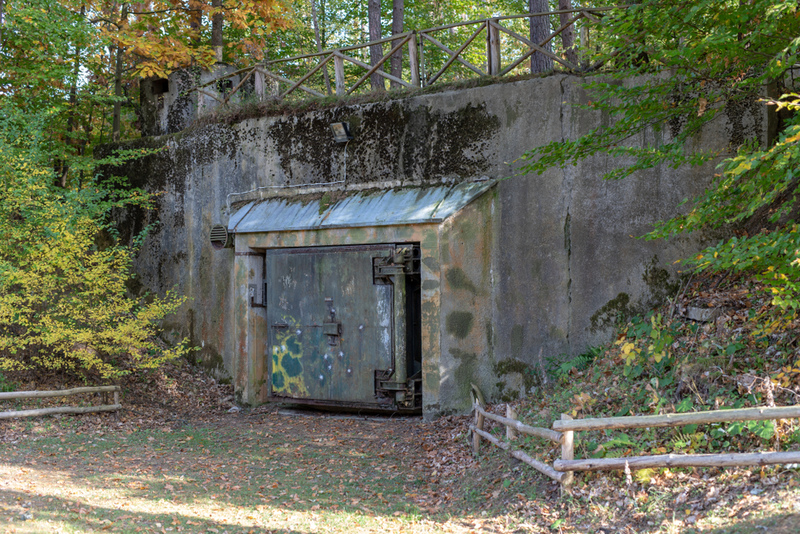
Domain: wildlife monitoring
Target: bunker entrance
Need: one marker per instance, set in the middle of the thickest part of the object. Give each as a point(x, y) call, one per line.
point(344, 326)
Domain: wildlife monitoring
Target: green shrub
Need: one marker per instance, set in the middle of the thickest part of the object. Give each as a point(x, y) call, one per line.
point(63, 299)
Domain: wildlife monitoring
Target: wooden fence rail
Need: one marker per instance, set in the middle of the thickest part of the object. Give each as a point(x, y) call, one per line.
point(680, 419)
point(64, 409)
point(477, 433)
point(563, 432)
point(420, 71)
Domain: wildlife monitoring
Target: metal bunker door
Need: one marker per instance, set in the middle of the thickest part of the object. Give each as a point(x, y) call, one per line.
point(338, 320)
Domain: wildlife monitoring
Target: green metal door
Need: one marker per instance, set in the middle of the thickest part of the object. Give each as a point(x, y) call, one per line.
point(331, 326)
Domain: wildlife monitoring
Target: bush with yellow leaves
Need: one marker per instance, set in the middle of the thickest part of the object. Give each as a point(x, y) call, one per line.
point(63, 298)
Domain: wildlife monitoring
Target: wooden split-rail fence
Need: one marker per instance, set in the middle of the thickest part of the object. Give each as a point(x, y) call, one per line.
point(429, 58)
point(103, 390)
point(563, 432)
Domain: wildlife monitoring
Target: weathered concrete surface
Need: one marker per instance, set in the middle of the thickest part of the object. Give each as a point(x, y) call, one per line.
point(177, 108)
point(562, 257)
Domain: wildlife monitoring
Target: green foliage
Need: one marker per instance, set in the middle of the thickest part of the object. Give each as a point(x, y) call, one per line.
point(560, 370)
point(6, 385)
point(647, 342)
point(63, 300)
point(701, 59)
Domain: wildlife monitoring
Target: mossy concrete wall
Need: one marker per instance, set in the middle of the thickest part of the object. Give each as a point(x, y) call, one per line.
point(561, 256)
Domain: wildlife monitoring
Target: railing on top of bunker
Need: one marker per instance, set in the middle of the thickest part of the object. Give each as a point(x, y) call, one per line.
point(426, 60)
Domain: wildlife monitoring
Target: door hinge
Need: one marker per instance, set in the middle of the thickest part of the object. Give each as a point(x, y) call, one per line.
point(404, 261)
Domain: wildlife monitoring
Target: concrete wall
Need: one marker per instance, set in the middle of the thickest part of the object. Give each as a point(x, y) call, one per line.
point(563, 257)
point(467, 320)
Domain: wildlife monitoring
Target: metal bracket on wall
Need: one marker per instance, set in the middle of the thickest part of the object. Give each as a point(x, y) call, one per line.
point(405, 260)
point(257, 298)
point(331, 327)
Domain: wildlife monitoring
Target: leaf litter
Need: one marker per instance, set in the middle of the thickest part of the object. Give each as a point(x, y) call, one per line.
point(175, 460)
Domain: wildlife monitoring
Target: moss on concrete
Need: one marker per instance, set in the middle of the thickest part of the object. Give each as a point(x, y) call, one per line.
point(659, 281)
point(614, 311)
point(459, 323)
point(324, 202)
point(465, 374)
point(514, 366)
point(458, 279)
point(212, 361)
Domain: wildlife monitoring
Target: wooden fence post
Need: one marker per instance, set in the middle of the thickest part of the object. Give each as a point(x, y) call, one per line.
point(492, 48)
point(476, 439)
point(567, 453)
point(586, 54)
point(511, 433)
point(338, 72)
point(413, 60)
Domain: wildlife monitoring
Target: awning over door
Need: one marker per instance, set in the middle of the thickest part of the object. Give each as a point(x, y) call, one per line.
point(407, 205)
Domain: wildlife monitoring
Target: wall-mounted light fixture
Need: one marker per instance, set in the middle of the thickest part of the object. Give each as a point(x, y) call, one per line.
point(341, 132)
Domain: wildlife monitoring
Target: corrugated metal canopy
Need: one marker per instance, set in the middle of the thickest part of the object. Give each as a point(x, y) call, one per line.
point(415, 205)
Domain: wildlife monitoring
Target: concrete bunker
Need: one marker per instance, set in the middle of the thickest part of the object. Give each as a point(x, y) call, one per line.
point(521, 275)
point(340, 302)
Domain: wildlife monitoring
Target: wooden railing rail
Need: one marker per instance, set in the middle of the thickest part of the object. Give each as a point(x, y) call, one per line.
point(680, 419)
point(678, 460)
point(420, 70)
point(477, 433)
point(546, 433)
point(64, 409)
point(563, 432)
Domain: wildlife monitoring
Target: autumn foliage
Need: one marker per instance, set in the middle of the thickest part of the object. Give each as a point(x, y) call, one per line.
point(63, 298)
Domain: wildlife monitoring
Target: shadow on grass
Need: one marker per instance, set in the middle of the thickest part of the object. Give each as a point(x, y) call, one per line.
point(48, 512)
point(779, 523)
point(346, 471)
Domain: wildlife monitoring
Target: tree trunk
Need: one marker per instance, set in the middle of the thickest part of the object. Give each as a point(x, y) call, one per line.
point(318, 38)
point(397, 27)
point(216, 30)
point(116, 123)
point(196, 20)
point(540, 30)
point(375, 51)
point(568, 35)
point(2, 20)
point(73, 103)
